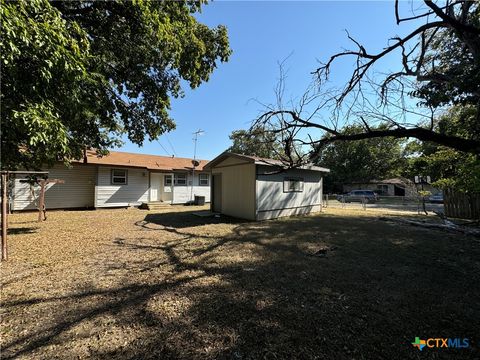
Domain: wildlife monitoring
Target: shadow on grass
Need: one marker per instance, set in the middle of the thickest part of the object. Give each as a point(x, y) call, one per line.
point(22, 230)
point(254, 293)
point(186, 219)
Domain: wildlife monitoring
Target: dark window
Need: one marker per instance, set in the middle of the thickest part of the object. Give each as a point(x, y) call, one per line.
point(382, 189)
point(119, 177)
point(292, 184)
point(167, 180)
point(203, 179)
point(180, 179)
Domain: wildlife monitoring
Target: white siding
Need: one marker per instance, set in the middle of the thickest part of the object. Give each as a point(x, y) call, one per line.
point(273, 202)
point(182, 194)
point(132, 194)
point(85, 188)
point(76, 192)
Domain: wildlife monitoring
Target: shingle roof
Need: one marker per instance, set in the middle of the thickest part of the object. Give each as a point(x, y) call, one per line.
point(261, 161)
point(151, 162)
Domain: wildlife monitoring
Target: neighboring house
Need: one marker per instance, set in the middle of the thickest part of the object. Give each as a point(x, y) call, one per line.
point(390, 187)
point(118, 180)
point(253, 188)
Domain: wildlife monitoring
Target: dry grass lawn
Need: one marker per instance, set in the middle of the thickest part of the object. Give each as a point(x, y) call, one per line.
point(133, 284)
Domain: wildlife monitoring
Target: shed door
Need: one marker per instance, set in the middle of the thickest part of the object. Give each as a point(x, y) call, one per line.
point(217, 192)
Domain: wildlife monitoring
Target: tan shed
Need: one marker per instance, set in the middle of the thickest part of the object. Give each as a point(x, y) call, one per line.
point(254, 188)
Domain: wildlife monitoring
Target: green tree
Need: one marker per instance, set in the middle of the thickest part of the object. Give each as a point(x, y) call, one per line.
point(256, 142)
point(362, 160)
point(78, 74)
point(447, 167)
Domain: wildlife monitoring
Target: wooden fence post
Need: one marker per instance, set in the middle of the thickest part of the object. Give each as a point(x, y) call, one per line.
point(4, 216)
point(459, 205)
point(41, 202)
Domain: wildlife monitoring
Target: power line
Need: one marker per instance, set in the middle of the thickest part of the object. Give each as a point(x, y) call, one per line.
point(173, 149)
point(163, 147)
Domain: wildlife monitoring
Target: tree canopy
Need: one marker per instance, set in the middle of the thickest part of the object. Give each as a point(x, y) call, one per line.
point(438, 67)
point(447, 167)
point(78, 74)
point(256, 142)
point(362, 160)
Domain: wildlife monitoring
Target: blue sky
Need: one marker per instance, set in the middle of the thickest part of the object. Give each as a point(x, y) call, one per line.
point(261, 35)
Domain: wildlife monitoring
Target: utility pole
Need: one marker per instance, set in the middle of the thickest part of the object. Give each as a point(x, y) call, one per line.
point(194, 161)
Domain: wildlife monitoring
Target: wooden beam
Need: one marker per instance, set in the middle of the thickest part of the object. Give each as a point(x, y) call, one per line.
point(24, 172)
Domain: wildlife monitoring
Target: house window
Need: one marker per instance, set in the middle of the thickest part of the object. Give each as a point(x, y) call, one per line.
point(382, 189)
point(293, 185)
point(203, 179)
point(180, 179)
point(167, 180)
point(119, 177)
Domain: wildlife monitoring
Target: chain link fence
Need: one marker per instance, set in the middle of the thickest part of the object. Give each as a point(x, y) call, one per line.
point(385, 203)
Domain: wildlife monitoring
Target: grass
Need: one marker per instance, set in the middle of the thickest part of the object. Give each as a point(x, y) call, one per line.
point(132, 284)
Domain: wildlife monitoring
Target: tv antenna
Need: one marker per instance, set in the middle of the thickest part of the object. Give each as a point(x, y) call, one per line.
point(197, 133)
point(195, 163)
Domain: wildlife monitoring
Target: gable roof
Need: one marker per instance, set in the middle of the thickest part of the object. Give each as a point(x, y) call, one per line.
point(150, 162)
point(259, 161)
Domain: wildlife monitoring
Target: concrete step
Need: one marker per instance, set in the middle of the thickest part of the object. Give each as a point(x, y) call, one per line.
point(156, 205)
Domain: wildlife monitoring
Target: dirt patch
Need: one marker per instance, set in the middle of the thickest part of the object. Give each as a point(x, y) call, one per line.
point(143, 284)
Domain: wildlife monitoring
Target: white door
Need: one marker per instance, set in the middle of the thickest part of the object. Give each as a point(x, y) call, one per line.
point(155, 184)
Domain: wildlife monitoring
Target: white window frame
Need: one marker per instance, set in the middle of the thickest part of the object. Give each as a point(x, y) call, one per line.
point(167, 180)
point(118, 176)
point(293, 184)
point(182, 177)
point(205, 181)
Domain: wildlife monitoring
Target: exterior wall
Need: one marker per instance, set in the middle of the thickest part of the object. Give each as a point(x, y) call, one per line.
point(134, 193)
point(238, 188)
point(273, 202)
point(76, 192)
point(273, 214)
point(90, 186)
point(231, 161)
point(182, 194)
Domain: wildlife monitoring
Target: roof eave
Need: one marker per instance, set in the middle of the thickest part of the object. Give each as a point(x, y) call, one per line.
point(223, 156)
point(284, 166)
point(265, 162)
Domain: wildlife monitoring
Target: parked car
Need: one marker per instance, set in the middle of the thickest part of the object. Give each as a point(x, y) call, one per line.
point(358, 195)
point(436, 198)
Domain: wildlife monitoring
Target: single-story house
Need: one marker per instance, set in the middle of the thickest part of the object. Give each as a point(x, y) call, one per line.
point(254, 188)
point(119, 179)
point(390, 187)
